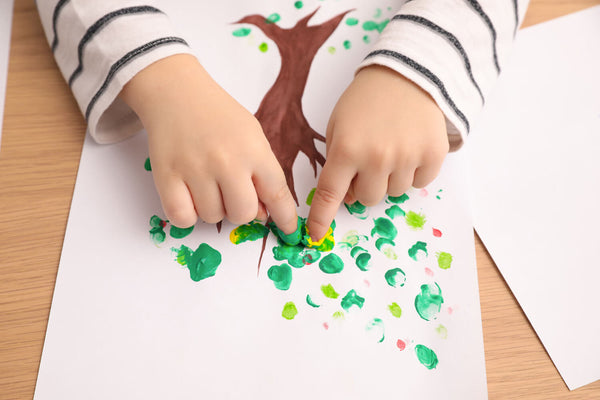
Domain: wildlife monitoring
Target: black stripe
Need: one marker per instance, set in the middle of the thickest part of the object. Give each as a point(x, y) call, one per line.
point(426, 73)
point(516, 9)
point(126, 59)
point(451, 38)
point(57, 9)
point(477, 7)
point(98, 25)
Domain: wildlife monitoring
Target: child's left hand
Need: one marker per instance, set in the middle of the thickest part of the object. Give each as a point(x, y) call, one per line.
point(385, 135)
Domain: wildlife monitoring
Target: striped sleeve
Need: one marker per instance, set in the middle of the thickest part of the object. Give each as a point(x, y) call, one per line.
point(99, 46)
point(452, 49)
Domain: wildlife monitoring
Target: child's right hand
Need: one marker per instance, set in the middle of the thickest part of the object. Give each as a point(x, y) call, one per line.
point(210, 157)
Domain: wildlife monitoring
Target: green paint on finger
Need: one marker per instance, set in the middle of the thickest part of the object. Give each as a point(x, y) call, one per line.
point(415, 220)
point(351, 21)
point(241, 32)
point(329, 291)
point(395, 277)
point(331, 264)
point(444, 260)
point(147, 165)
point(281, 275)
point(397, 200)
point(310, 302)
point(384, 228)
point(293, 238)
point(429, 302)
point(352, 299)
point(273, 18)
point(248, 232)
point(395, 310)
point(310, 196)
point(426, 356)
point(419, 246)
point(358, 210)
point(376, 327)
point(180, 233)
point(202, 262)
point(289, 310)
point(395, 211)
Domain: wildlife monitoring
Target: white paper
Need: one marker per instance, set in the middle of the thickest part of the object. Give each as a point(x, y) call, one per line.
point(6, 7)
point(536, 175)
point(127, 321)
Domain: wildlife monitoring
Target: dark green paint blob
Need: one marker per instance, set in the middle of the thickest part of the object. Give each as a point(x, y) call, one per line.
point(395, 277)
point(380, 242)
point(429, 302)
point(248, 232)
point(366, 39)
point(298, 4)
point(415, 220)
point(180, 233)
point(311, 303)
point(241, 32)
point(347, 44)
point(395, 211)
point(426, 356)
point(412, 252)
point(202, 263)
point(363, 261)
point(398, 199)
point(352, 299)
point(358, 210)
point(444, 260)
point(273, 18)
point(289, 310)
point(310, 196)
point(157, 222)
point(263, 47)
point(356, 251)
point(375, 26)
point(329, 291)
point(331, 264)
point(281, 275)
point(157, 231)
point(297, 256)
point(376, 326)
point(384, 228)
point(395, 310)
point(293, 238)
point(147, 165)
point(351, 21)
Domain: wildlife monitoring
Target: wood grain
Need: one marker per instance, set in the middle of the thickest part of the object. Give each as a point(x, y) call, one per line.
point(41, 145)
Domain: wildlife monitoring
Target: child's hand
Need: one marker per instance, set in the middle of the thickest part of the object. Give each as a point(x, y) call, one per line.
point(210, 158)
point(384, 135)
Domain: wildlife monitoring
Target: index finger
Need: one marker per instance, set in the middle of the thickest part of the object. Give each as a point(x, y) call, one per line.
point(333, 184)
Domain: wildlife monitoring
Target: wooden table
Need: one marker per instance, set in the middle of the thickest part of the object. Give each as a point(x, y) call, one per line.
point(41, 145)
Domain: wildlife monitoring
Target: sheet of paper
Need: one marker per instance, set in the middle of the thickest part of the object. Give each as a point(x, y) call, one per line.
point(536, 174)
point(144, 311)
point(6, 7)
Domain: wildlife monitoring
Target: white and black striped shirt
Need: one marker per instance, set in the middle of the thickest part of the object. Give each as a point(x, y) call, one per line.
point(453, 49)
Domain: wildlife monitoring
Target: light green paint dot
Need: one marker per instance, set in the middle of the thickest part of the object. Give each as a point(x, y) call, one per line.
point(442, 331)
point(352, 299)
point(329, 291)
point(331, 264)
point(202, 262)
point(351, 21)
point(415, 220)
point(376, 327)
point(310, 302)
point(395, 310)
point(429, 302)
point(338, 315)
point(390, 253)
point(147, 165)
point(281, 275)
point(180, 233)
point(395, 211)
point(298, 4)
point(241, 32)
point(366, 39)
point(264, 47)
point(310, 196)
point(395, 277)
point(331, 50)
point(444, 260)
point(347, 44)
point(352, 238)
point(289, 310)
point(426, 356)
point(419, 246)
point(398, 199)
point(273, 18)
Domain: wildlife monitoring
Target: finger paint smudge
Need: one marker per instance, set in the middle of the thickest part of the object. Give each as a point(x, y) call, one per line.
point(397, 200)
point(289, 310)
point(376, 327)
point(202, 262)
point(395, 277)
point(384, 228)
point(419, 246)
point(352, 299)
point(157, 229)
point(426, 356)
point(311, 303)
point(395, 211)
point(357, 209)
point(429, 302)
point(444, 260)
point(281, 275)
point(331, 264)
point(180, 233)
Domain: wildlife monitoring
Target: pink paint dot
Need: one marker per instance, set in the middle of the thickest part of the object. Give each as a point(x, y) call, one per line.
point(367, 283)
point(450, 310)
point(423, 192)
point(401, 345)
point(437, 232)
point(428, 271)
point(325, 325)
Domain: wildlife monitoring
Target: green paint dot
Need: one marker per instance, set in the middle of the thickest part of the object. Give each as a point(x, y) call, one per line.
point(363, 261)
point(263, 47)
point(358, 210)
point(329, 291)
point(415, 220)
point(444, 260)
point(381, 242)
point(241, 32)
point(297, 256)
point(366, 39)
point(298, 4)
point(375, 26)
point(377, 327)
point(331, 50)
point(395, 310)
point(157, 235)
point(248, 232)
point(395, 277)
point(281, 275)
point(147, 165)
point(310, 302)
point(351, 21)
point(419, 246)
point(202, 263)
point(347, 44)
point(377, 13)
point(331, 264)
point(429, 302)
point(426, 356)
point(395, 211)
point(384, 228)
point(352, 299)
point(356, 251)
point(273, 18)
point(289, 310)
point(310, 196)
point(180, 233)
point(397, 199)
point(338, 315)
